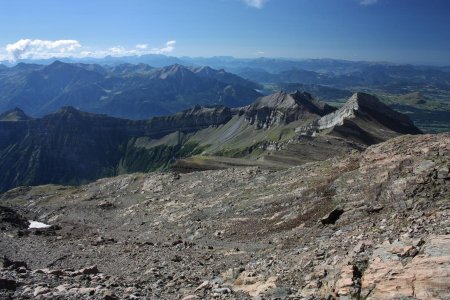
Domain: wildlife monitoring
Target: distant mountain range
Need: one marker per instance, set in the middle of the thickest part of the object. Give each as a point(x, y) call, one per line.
point(126, 90)
point(143, 87)
point(271, 65)
point(342, 74)
point(334, 72)
point(386, 78)
point(276, 131)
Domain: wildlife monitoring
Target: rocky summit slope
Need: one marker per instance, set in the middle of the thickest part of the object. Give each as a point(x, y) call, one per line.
point(370, 225)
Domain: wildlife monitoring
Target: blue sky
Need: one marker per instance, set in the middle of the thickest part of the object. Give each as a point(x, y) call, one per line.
point(405, 31)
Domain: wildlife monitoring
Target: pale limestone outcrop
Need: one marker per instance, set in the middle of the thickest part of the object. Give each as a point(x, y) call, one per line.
point(363, 104)
point(400, 270)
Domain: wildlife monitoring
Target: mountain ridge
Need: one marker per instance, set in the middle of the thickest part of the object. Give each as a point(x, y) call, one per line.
point(74, 147)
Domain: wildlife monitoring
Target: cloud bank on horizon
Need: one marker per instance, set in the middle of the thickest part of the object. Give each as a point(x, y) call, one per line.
point(44, 49)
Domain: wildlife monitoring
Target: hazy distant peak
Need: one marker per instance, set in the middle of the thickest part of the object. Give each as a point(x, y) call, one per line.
point(285, 100)
point(130, 68)
point(69, 111)
point(25, 66)
point(175, 70)
point(59, 66)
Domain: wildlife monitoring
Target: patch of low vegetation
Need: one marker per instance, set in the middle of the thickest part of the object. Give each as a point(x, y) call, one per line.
point(160, 157)
point(431, 113)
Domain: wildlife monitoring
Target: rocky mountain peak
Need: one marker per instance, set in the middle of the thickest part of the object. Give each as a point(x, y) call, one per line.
point(208, 71)
point(59, 65)
point(283, 100)
point(280, 99)
point(283, 108)
point(203, 70)
point(24, 67)
point(370, 117)
point(69, 112)
point(308, 102)
point(362, 100)
point(362, 104)
point(68, 109)
point(222, 75)
point(15, 114)
point(175, 70)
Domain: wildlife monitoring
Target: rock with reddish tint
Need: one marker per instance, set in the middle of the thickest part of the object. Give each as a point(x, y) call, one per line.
point(425, 276)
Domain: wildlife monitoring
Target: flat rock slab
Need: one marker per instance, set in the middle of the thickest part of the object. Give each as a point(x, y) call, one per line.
point(425, 276)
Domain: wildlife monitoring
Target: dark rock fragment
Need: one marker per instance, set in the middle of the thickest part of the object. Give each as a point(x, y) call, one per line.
point(9, 264)
point(8, 284)
point(374, 209)
point(105, 205)
point(10, 219)
point(332, 217)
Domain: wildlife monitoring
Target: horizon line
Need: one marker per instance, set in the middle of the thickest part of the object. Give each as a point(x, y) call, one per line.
point(78, 59)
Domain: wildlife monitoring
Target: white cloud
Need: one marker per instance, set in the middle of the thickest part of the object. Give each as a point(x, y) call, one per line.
point(42, 49)
point(142, 46)
point(368, 2)
point(119, 51)
point(260, 53)
point(170, 46)
point(256, 3)
point(26, 48)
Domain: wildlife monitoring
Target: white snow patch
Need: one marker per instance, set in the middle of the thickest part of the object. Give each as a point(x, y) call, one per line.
point(35, 224)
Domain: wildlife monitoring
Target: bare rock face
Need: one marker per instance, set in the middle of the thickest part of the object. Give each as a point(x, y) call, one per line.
point(407, 269)
point(365, 104)
point(283, 108)
point(365, 116)
point(348, 284)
